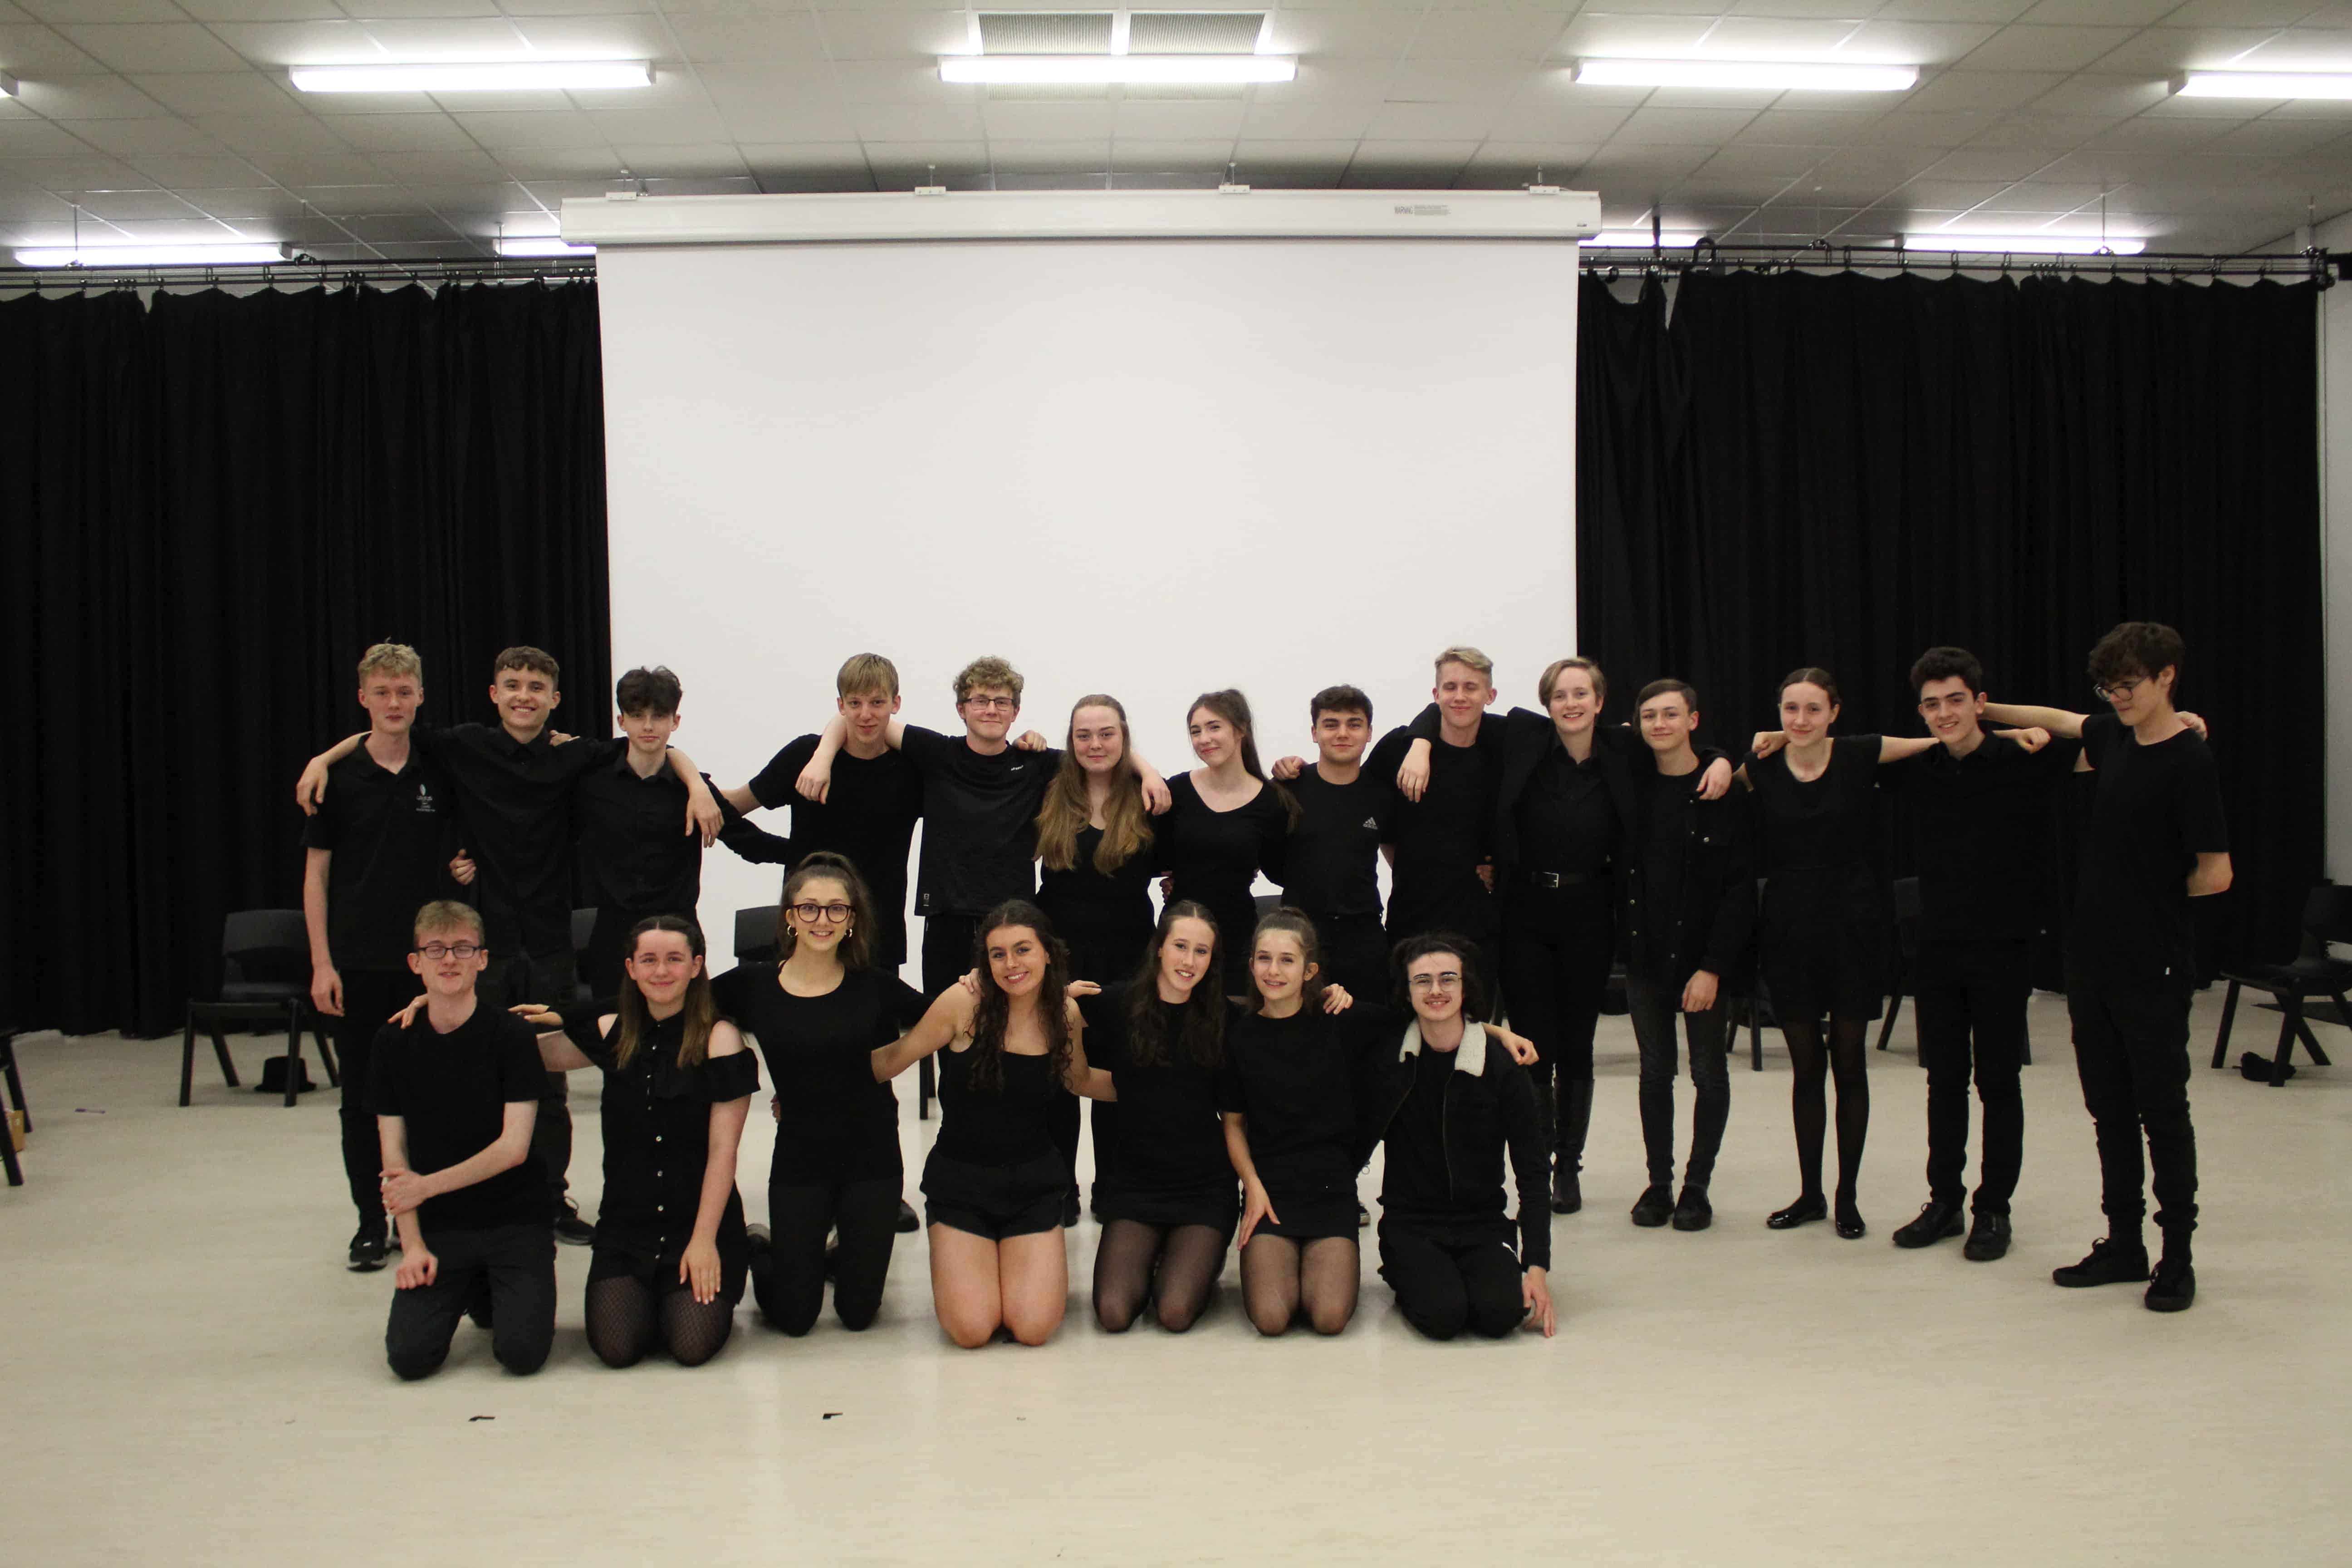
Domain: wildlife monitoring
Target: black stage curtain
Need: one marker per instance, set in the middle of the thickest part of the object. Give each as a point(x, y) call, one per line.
point(213, 507)
point(1844, 470)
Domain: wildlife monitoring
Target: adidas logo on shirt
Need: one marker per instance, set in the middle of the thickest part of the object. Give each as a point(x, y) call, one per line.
point(1372, 825)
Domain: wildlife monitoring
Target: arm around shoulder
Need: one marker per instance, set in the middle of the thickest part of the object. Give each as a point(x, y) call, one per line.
point(949, 1016)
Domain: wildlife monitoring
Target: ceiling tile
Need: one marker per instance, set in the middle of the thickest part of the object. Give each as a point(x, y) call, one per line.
point(1649, 165)
point(881, 81)
point(610, 38)
point(1955, 195)
point(1979, 89)
point(2037, 130)
point(546, 128)
point(1330, 34)
point(1523, 33)
point(921, 122)
point(2277, 137)
point(1906, 128)
point(1549, 121)
point(2093, 94)
point(338, 200)
point(298, 43)
point(183, 172)
point(673, 126)
point(439, 168)
point(221, 92)
point(432, 133)
point(598, 163)
point(2002, 164)
point(455, 39)
point(1307, 121)
point(2129, 13)
point(153, 46)
point(1914, 42)
point(1633, 38)
point(69, 175)
point(116, 205)
point(1028, 121)
point(270, 133)
point(1050, 157)
point(2148, 134)
point(892, 35)
point(2160, 51)
point(2302, 48)
point(715, 159)
point(317, 168)
point(1805, 127)
point(748, 119)
point(1147, 156)
point(2029, 49)
point(103, 10)
point(1681, 126)
point(1332, 81)
point(750, 40)
point(262, 10)
point(127, 137)
point(1558, 160)
point(813, 166)
point(2243, 12)
point(38, 139)
point(1406, 165)
point(1431, 121)
point(1768, 166)
point(87, 98)
point(191, 229)
point(1178, 122)
point(29, 49)
point(1454, 82)
point(1775, 38)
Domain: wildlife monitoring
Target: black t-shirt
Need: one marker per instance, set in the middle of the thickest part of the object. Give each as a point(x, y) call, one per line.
point(980, 817)
point(1169, 1136)
point(451, 1092)
point(2158, 807)
point(1441, 839)
point(392, 835)
point(1294, 1081)
point(1215, 855)
point(833, 1121)
point(1414, 1179)
point(516, 799)
point(1331, 865)
point(1817, 840)
point(1565, 819)
point(1106, 917)
point(868, 815)
point(1984, 835)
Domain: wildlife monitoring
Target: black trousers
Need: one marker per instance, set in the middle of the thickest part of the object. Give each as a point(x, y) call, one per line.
point(1558, 946)
point(516, 1262)
point(2131, 1050)
point(1446, 1282)
point(1654, 1007)
point(549, 978)
point(370, 997)
point(1971, 1000)
point(947, 950)
point(789, 1287)
point(1355, 954)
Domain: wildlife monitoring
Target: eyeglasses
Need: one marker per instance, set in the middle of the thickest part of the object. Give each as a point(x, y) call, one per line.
point(1445, 980)
point(1007, 703)
point(2119, 690)
point(831, 914)
point(436, 951)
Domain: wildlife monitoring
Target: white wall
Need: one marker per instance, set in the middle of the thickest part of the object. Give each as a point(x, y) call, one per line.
point(1146, 468)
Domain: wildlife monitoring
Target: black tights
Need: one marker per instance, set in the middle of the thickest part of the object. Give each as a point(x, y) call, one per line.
point(1847, 1062)
point(1189, 1259)
point(1280, 1275)
point(624, 1320)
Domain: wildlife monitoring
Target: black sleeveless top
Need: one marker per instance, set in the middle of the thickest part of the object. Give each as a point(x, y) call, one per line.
point(1003, 1126)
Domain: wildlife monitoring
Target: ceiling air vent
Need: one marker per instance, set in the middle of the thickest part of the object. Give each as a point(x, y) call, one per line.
point(1044, 32)
point(1193, 32)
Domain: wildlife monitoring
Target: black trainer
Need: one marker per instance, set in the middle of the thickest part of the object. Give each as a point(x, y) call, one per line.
point(2106, 1264)
point(907, 1221)
point(2172, 1287)
point(571, 1230)
point(1988, 1239)
point(1363, 1216)
point(367, 1252)
point(1654, 1207)
point(1691, 1211)
point(1937, 1219)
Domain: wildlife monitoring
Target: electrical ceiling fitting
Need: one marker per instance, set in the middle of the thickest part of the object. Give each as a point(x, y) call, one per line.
point(489, 76)
point(2264, 84)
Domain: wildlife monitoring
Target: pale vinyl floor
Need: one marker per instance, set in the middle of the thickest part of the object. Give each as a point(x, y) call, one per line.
point(191, 1375)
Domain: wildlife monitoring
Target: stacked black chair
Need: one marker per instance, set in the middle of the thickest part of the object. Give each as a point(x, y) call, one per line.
point(17, 1098)
point(265, 980)
point(1906, 954)
point(755, 935)
point(2314, 971)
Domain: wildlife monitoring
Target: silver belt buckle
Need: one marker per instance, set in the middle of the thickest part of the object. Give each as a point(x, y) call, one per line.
point(1545, 878)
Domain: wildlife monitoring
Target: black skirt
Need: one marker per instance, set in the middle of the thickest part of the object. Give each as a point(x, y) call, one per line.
point(1216, 1204)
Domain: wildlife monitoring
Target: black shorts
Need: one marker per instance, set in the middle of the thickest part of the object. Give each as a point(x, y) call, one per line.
point(1842, 973)
point(1217, 1204)
point(996, 1201)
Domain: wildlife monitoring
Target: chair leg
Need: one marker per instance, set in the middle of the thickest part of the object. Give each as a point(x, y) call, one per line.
point(2229, 1013)
point(1755, 1038)
point(16, 1084)
point(293, 1052)
point(327, 1056)
point(1894, 1011)
point(187, 1058)
point(2289, 1026)
point(924, 1090)
point(9, 1155)
point(220, 1049)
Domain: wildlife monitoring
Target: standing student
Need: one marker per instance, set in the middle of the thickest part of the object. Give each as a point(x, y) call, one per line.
point(514, 788)
point(1448, 1108)
point(868, 814)
point(455, 1088)
point(670, 1249)
point(993, 1182)
point(1331, 866)
point(1226, 823)
point(1689, 918)
point(1168, 1203)
point(1444, 852)
point(2158, 839)
point(374, 853)
point(819, 1014)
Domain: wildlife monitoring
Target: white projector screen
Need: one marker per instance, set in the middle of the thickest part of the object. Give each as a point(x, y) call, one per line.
point(1146, 468)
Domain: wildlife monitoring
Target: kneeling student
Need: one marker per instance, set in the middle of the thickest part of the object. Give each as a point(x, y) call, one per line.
point(456, 1087)
point(1447, 1107)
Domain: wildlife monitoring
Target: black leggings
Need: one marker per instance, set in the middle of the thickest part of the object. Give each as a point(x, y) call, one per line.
point(626, 1318)
point(1848, 1062)
point(1443, 1286)
point(789, 1282)
point(1186, 1258)
point(1280, 1275)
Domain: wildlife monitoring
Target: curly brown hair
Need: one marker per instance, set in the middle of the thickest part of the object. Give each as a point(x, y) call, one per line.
point(993, 1014)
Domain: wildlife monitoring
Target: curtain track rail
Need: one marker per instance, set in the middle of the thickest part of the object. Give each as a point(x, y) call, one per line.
point(299, 275)
point(1823, 257)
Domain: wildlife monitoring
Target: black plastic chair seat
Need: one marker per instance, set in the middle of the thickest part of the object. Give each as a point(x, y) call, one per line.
point(2308, 974)
point(262, 991)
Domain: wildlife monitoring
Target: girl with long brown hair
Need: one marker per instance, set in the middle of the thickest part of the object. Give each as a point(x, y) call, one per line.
point(1226, 822)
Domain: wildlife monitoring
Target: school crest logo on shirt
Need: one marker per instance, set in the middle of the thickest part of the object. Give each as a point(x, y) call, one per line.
point(424, 804)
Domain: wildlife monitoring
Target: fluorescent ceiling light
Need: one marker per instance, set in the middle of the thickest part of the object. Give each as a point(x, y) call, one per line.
point(150, 255)
point(1161, 69)
point(2266, 84)
point(1802, 76)
point(542, 245)
point(497, 77)
point(7, 85)
point(2030, 244)
point(1640, 239)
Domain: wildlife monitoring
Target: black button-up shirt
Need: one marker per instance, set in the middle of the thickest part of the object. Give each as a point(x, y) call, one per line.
point(636, 857)
point(516, 800)
point(1566, 822)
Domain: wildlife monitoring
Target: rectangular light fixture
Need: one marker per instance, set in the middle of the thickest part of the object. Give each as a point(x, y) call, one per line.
point(501, 76)
point(1169, 70)
point(542, 245)
point(1642, 239)
point(2024, 244)
point(7, 85)
point(1774, 75)
point(2266, 84)
point(246, 255)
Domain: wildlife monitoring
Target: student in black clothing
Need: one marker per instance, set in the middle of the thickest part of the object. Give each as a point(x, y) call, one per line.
point(819, 1015)
point(2158, 839)
point(455, 1088)
point(1330, 866)
point(514, 787)
point(375, 853)
point(1093, 854)
point(670, 1247)
point(1167, 1205)
point(1442, 858)
point(1448, 1109)
point(1226, 823)
point(868, 814)
point(1689, 919)
point(994, 1181)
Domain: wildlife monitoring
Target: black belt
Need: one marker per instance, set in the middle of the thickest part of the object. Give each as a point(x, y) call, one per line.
point(1559, 879)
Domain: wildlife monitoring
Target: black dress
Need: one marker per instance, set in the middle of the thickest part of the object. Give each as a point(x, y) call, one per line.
point(1214, 857)
point(1106, 920)
point(1825, 918)
point(993, 1170)
point(1295, 1080)
point(1173, 1168)
point(656, 1125)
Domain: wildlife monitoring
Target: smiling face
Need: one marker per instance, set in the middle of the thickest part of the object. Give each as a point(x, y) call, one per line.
point(662, 965)
point(1278, 966)
point(1016, 959)
point(1573, 703)
point(1953, 712)
point(1216, 737)
point(649, 731)
point(390, 701)
point(819, 913)
point(1667, 721)
point(447, 972)
point(1342, 735)
point(1461, 694)
point(1098, 739)
point(525, 699)
point(1806, 712)
point(988, 712)
point(868, 714)
point(1185, 957)
point(1433, 980)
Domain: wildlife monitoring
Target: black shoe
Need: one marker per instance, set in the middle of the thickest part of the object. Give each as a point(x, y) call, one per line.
point(907, 1222)
point(1363, 1216)
point(2172, 1287)
point(1804, 1211)
point(1654, 1207)
point(570, 1228)
point(478, 1302)
point(367, 1252)
point(1937, 1219)
point(1070, 1210)
point(1691, 1211)
point(1988, 1239)
point(758, 1242)
point(2106, 1264)
point(1567, 1190)
point(1848, 1221)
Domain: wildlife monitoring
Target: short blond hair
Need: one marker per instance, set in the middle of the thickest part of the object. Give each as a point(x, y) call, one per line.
point(1470, 656)
point(991, 671)
point(392, 659)
point(864, 672)
point(448, 915)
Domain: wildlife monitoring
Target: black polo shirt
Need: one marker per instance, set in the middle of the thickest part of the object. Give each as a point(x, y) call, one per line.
point(980, 821)
point(1984, 835)
point(1332, 866)
point(868, 816)
point(516, 799)
point(392, 835)
point(451, 1092)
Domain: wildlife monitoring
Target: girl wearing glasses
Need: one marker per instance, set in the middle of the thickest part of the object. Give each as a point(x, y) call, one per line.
point(818, 1013)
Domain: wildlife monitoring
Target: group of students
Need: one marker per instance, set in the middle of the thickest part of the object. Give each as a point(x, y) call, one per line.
point(1244, 1067)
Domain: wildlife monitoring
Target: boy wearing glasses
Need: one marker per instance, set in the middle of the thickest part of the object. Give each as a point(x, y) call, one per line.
point(455, 1090)
point(2157, 840)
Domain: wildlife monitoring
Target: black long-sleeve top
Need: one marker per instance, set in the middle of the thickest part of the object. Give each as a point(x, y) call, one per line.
point(1689, 878)
point(1482, 1116)
point(636, 857)
point(833, 1121)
